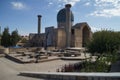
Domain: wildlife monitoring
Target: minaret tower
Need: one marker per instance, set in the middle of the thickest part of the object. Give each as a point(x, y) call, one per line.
point(68, 25)
point(39, 24)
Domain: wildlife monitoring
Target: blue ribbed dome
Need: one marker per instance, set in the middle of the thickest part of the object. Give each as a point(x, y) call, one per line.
point(61, 16)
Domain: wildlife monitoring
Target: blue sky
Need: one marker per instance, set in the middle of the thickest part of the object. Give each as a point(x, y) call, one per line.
point(22, 14)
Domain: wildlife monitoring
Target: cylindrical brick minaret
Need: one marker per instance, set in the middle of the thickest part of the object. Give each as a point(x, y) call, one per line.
point(68, 25)
point(39, 24)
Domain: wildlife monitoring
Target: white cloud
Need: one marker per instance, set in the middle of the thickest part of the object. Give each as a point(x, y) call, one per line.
point(107, 8)
point(94, 29)
point(72, 2)
point(50, 3)
point(61, 3)
point(107, 12)
point(18, 5)
point(87, 4)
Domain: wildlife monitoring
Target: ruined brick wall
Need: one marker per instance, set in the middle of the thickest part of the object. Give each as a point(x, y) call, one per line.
point(61, 38)
point(78, 38)
point(82, 34)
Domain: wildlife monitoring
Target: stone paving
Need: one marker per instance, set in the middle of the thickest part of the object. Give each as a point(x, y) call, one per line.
point(9, 70)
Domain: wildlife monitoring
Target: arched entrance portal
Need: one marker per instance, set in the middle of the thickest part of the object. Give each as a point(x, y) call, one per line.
point(85, 36)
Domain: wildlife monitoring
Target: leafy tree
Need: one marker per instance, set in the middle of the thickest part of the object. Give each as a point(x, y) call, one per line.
point(14, 38)
point(0, 35)
point(9, 40)
point(104, 41)
point(5, 39)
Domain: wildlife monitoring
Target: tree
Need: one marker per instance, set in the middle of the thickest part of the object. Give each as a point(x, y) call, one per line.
point(106, 44)
point(5, 39)
point(9, 40)
point(104, 41)
point(0, 35)
point(14, 38)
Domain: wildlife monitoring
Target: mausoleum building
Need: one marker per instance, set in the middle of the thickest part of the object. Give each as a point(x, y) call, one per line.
point(65, 35)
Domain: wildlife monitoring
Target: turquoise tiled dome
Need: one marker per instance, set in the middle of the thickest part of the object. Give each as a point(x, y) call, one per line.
point(61, 16)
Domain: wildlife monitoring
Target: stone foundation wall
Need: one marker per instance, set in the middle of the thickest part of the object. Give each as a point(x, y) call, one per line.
point(31, 49)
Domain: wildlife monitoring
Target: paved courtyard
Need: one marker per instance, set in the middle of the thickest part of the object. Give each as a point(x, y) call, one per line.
point(9, 70)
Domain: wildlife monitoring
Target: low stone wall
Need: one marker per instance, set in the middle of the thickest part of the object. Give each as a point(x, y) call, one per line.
point(46, 60)
point(32, 49)
point(50, 48)
point(49, 76)
point(4, 50)
point(17, 49)
point(14, 59)
point(2, 55)
point(72, 76)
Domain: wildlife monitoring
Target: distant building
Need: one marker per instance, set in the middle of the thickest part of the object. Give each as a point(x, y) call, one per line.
point(65, 35)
